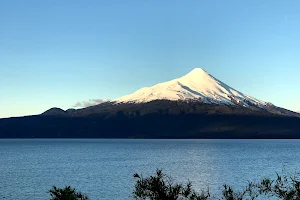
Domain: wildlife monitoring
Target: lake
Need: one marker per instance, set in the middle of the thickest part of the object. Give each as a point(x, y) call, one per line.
point(103, 168)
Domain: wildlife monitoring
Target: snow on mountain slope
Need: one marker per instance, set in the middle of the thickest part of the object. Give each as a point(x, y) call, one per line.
point(198, 85)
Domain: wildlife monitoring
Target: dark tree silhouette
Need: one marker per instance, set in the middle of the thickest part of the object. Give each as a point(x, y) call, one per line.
point(283, 187)
point(67, 193)
point(161, 187)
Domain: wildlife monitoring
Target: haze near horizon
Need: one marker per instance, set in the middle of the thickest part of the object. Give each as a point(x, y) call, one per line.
point(58, 54)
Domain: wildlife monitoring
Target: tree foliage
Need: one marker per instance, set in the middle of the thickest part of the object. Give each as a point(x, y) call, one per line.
point(162, 187)
point(283, 187)
point(67, 193)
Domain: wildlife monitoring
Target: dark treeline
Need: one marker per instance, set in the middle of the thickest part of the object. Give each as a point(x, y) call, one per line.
point(156, 119)
point(152, 126)
point(162, 187)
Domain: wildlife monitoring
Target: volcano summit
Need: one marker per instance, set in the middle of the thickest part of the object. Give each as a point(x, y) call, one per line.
point(198, 85)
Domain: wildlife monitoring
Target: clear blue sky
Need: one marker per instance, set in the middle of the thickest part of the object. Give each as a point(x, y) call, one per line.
point(56, 53)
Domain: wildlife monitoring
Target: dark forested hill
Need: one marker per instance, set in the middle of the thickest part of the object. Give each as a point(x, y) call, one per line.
point(157, 119)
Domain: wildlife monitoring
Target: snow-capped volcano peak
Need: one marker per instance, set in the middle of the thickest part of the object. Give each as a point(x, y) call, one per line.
point(197, 85)
point(197, 72)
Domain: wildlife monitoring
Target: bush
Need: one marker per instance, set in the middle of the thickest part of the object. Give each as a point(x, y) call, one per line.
point(162, 187)
point(283, 187)
point(66, 193)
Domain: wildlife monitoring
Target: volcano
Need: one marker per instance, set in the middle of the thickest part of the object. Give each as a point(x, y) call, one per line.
point(196, 105)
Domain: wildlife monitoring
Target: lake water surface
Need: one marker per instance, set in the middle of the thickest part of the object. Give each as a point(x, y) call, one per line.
point(103, 168)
